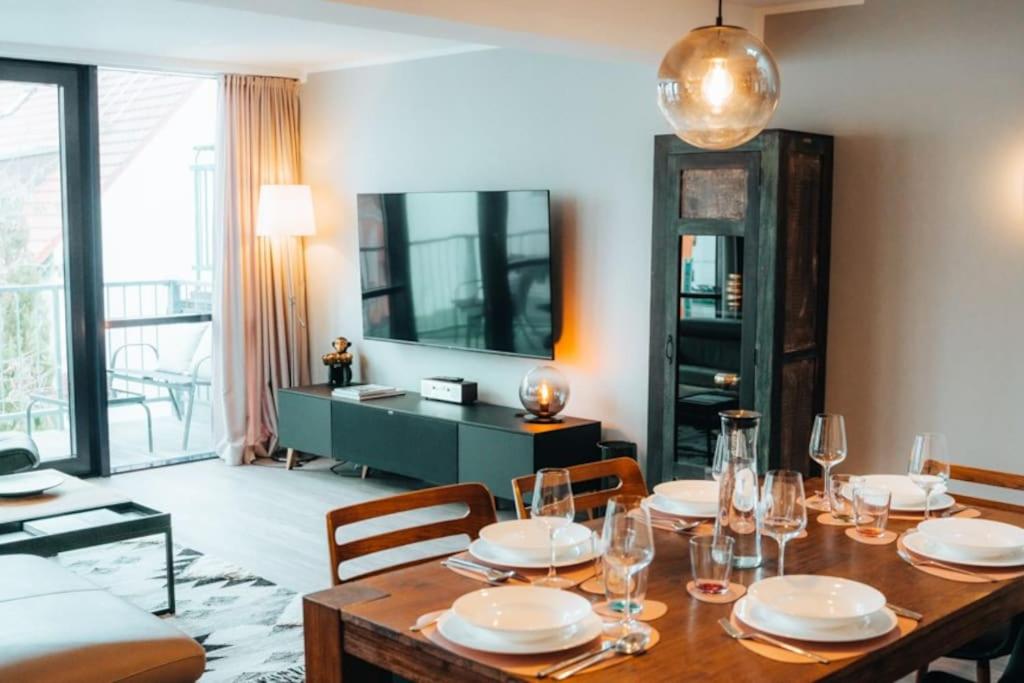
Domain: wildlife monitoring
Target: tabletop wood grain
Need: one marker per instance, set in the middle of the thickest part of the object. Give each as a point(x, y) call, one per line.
point(354, 631)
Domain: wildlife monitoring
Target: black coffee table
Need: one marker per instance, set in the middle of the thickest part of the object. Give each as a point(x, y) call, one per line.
point(78, 515)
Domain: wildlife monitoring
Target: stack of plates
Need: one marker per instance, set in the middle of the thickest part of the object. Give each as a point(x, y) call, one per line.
point(821, 609)
point(908, 496)
point(685, 498)
point(520, 620)
point(524, 543)
point(978, 542)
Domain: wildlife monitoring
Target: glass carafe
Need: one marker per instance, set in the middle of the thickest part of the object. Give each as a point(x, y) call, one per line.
point(738, 488)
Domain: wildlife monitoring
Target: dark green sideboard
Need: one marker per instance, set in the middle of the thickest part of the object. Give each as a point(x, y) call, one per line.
point(442, 443)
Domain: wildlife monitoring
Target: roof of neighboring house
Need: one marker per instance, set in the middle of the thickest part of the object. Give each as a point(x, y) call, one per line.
point(133, 106)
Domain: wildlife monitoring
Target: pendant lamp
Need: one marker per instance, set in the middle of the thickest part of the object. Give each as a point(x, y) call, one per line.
point(718, 86)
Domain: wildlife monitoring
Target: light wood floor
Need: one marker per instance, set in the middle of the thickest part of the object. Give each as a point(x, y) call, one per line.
point(271, 520)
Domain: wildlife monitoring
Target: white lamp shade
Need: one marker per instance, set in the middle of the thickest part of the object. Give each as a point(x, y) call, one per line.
point(285, 210)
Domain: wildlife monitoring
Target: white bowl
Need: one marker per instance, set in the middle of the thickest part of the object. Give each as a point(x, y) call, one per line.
point(528, 538)
point(905, 493)
point(974, 538)
point(816, 601)
point(524, 612)
point(692, 496)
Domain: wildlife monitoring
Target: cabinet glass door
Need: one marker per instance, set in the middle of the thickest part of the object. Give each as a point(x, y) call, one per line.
point(712, 367)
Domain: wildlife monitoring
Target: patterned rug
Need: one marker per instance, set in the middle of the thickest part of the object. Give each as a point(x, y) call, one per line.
point(251, 628)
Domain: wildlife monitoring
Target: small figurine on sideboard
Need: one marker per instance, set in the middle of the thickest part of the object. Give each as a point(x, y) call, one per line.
point(339, 363)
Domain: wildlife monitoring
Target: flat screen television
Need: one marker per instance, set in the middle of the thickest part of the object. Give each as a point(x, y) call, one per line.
point(461, 270)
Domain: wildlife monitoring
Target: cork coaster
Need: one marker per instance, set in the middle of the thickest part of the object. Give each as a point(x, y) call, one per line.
point(831, 651)
point(828, 520)
point(816, 502)
point(651, 610)
point(800, 536)
point(1000, 573)
point(577, 573)
point(886, 538)
point(735, 592)
point(526, 666)
point(594, 585)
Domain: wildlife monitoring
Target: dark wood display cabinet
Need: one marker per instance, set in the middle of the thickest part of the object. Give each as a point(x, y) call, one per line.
point(441, 443)
point(739, 296)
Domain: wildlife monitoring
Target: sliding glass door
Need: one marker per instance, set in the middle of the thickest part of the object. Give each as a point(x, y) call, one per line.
point(52, 378)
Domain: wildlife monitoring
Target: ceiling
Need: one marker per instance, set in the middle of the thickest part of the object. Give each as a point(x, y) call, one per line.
point(296, 37)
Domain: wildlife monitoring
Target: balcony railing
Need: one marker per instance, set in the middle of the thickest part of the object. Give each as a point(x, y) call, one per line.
point(33, 339)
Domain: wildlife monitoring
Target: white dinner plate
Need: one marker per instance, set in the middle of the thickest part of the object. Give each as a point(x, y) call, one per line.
point(906, 495)
point(459, 632)
point(662, 506)
point(979, 539)
point(689, 496)
point(816, 601)
point(29, 483)
point(871, 626)
point(485, 552)
point(919, 544)
point(522, 613)
point(528, 538)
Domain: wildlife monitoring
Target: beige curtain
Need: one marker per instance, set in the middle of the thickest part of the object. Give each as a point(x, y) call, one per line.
point(260, 305)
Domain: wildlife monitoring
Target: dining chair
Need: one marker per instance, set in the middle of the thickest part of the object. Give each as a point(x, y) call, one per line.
point(1007, 639)
point(618, 476)
point(478, 513)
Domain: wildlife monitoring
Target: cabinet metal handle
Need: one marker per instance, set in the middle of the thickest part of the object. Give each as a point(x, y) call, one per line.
point(670, 349)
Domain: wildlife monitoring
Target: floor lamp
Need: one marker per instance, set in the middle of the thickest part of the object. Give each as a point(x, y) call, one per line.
point(285, 214)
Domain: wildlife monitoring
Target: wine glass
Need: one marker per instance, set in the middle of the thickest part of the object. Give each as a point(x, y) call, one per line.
point(929, 465)
point(721, 460)
point(783, 515)
point(828, 446)
point(628, 549)
point(553, 507)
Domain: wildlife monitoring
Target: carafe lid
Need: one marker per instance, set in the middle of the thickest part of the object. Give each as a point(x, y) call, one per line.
point(741, 418)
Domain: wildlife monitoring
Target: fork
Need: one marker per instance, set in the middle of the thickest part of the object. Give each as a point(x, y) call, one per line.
point(917, 562)
point(492, 576)
point(737, 634)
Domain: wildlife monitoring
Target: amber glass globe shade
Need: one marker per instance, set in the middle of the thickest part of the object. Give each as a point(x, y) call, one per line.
point(544, 392)
point(718, 87)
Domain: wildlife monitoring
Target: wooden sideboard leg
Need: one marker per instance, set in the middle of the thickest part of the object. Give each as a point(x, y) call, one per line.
point(364, 472)
point(289, 461)
point(322, 632)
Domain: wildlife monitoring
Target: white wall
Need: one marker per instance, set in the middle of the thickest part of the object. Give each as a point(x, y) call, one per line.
point(497, 120)
point(926, 100)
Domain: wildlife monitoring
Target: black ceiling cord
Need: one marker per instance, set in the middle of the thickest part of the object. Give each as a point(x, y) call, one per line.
point(718, 20)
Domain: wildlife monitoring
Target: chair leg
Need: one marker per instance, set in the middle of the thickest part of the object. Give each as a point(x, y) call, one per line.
point(984, 671)
point(188, 416)
point(175, 402)
point(149, 425)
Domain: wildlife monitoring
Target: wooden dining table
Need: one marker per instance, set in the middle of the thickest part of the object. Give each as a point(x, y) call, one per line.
point(359, 631)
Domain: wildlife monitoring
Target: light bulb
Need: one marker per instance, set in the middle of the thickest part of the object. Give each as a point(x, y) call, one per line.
point(716, 87)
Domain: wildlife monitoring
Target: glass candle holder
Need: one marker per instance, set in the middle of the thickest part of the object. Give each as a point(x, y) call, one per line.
point(544, 392)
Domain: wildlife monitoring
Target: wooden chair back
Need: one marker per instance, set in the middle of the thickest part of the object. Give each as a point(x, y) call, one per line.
point(976, 475)
point(628, 480)
point(479, 513)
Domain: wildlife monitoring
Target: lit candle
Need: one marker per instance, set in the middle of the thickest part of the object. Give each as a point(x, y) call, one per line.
point(544, 397)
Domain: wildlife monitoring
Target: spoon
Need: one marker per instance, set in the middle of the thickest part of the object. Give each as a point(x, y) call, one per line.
point(629, 644)
point(679, 526)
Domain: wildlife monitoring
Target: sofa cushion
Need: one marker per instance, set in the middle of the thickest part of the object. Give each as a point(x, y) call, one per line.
point(62, 630)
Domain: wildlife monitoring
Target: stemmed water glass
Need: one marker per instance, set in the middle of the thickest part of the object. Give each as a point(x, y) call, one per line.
point(553, 507)
point(929, 465)
point(783, 515)
point(628, 549)
point(828, 446)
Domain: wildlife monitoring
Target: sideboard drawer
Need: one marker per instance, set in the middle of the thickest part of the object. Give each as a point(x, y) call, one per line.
point(304, 422)
point(420, 447)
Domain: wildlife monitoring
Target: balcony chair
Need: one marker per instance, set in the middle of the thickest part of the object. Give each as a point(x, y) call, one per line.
point(181, 368)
